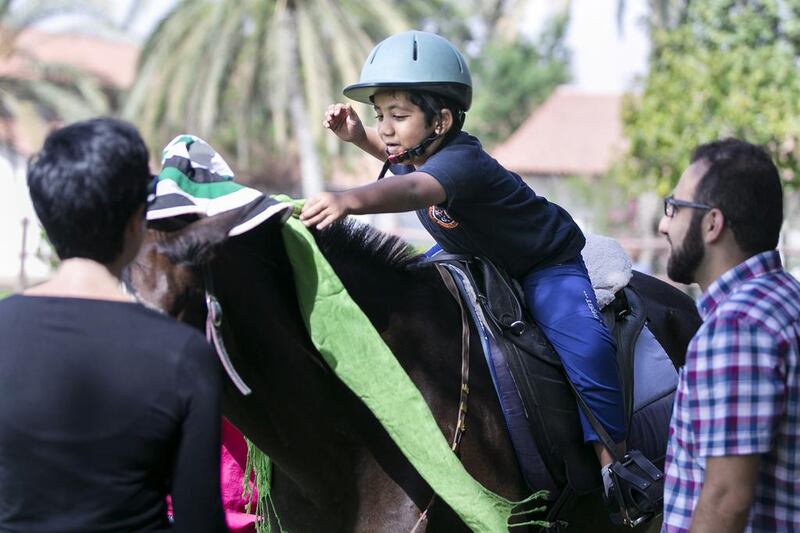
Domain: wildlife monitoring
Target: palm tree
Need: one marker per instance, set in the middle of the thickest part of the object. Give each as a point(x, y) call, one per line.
point(254, 76)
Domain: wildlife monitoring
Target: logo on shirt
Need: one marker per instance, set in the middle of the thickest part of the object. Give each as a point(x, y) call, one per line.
point(442, 217)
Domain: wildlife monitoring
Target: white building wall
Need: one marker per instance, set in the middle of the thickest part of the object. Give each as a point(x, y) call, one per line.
point(18, 225)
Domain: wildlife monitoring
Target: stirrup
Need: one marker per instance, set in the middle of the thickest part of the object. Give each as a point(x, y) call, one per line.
point(636, 493)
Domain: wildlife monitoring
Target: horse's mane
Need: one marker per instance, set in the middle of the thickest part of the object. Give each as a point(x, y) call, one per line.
point(353, 240)
point(348, 240)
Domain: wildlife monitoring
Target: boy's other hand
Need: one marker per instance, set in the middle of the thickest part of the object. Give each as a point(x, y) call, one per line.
point(324, 209)
point(343, 120)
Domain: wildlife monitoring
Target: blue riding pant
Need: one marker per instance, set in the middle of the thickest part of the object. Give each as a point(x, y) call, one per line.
point(562, 303)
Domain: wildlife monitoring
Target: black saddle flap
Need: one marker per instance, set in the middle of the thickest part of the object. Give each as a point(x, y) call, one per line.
point(539, 376)
point(500, 298)
point(625, 317)
point(549, 401)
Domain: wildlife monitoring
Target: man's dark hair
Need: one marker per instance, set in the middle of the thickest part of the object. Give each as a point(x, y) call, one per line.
point(86, 183)
point(743, 182)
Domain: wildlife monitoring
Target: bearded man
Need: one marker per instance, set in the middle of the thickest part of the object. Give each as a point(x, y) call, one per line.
point(733, 460)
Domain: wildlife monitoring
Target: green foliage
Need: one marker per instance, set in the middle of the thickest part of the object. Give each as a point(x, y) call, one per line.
point(662, 14)
point(513, 77)
point(731, 69)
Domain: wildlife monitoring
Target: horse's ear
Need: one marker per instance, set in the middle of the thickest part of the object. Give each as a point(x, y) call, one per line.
point(196, 243)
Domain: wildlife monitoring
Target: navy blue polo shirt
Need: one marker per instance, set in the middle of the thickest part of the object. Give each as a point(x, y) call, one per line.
point(491, 212)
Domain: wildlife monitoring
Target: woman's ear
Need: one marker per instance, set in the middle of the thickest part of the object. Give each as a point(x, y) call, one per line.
point(444, 122)
point(136, 226)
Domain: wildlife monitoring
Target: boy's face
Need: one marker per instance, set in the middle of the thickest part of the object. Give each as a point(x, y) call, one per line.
point(401, 124)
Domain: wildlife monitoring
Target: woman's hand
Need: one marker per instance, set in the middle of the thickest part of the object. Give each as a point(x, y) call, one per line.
point(324, 209)
point(343, 120)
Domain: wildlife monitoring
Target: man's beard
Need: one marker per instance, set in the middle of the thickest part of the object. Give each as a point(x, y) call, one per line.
point(684, 260)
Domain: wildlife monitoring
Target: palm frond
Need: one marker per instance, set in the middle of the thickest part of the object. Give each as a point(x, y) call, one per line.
point(208, 92)
point(231, 70)
point(28, 116)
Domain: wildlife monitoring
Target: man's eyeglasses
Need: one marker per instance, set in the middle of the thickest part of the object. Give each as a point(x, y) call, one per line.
point(671, 205)
point(151, 191)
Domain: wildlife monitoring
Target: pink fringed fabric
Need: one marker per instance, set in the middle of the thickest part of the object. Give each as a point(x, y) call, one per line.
point(233, 458)
point(232, 464)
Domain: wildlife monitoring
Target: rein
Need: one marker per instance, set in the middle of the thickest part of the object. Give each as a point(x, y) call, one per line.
point(461, 425)
point(214, 333)
point(213, 325)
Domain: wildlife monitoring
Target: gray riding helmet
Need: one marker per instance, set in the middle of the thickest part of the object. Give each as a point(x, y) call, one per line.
point(414, 60)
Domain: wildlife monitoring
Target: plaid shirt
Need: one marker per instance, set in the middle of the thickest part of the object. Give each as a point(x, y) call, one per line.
point(739, 394)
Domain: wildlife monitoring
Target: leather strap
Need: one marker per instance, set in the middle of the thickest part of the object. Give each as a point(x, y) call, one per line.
point(214, 333)
point(461, 425)
point(447, 278)
point(605, 438)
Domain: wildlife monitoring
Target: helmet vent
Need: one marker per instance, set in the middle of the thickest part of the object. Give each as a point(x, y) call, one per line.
point(372, 54)
point(414, 54)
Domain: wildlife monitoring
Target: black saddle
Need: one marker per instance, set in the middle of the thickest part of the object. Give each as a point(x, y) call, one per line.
point(547, 395)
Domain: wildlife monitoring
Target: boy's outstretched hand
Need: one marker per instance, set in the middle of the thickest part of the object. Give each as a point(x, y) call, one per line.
point(343, 120)
point(324, 209)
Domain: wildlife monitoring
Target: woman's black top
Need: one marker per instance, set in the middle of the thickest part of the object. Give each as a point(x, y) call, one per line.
point(106, 408)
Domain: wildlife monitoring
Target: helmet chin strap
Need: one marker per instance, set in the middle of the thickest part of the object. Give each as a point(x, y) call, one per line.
point(405, 155)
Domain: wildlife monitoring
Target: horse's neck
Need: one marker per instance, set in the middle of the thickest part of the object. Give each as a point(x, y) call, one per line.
point(323, 439)
point(330, 451)
point(423, 327)
point(417, 318)
point(412, 304)
point(377, 293)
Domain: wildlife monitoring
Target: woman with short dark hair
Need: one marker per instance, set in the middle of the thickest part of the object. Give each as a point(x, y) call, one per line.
point(107, 406)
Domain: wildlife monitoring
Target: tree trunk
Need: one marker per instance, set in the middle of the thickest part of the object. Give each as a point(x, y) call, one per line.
point(311, 173)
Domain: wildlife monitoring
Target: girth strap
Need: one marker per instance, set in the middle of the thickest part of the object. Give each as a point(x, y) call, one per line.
point(463, 397)
point(461, 425)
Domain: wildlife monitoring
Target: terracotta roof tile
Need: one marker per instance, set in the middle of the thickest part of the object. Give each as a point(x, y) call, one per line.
point(112, 61)
point(572, 133)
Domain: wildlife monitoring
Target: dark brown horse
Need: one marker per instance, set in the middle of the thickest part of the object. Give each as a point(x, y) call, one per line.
point(336, 469)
